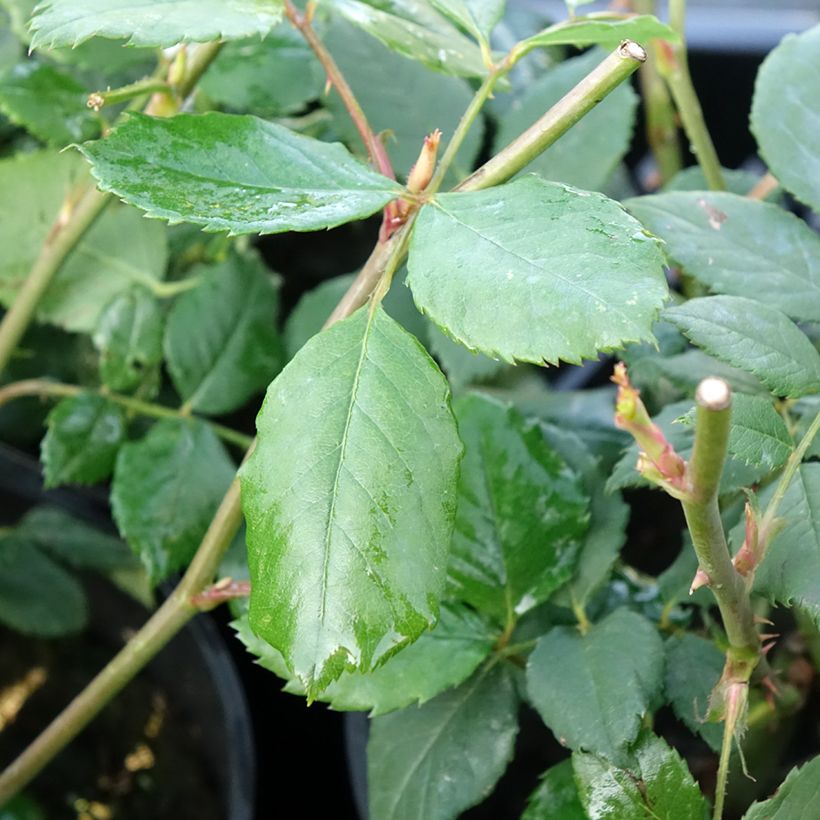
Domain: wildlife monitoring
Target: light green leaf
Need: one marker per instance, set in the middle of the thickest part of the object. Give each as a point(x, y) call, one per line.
point(221, 341)
point(754, 337)
point(592, 690)
point(271, 78)
point(522, 513)
point(350, 498)
point(693, 666)
point(738, 181)
point(166, 489)
point(416, 30)
point(589, 152)
point(235, 173)
point(556, 797)
point(435, 761)
point(785, 109)
point(312, 310)
point(603, 29)
point(790, 572)
point(47, 103)
point(128, 337)
point(84, 434)
point(462, 366)
point(37, 596)
point(414, 103)
point(739, 246)
point(74, 542)
point(151, 22)
point(658, 785)
point(484, 266)
point(796, 798)
point(479, 17)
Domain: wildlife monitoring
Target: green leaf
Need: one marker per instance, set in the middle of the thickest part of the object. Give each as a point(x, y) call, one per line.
point(235, 173)
point(312, 310)
point(128, 337)
point(273, 77)
point(151, 22)
point(739, 246)
point(592, 690)
point(797, 796)
point(49, 104)
point(84, 434)
point(37, 596)
point(522, 513)
point(790, 572)
point(221, 341)
point(21, 807)
point(738, 181)
point(657, 785)
point(754, 337)
point(588, 153)
point(693, 666)
point(165, 491)
point(462, 366)
point(556, 797)
point(435, 761)
point(418, 31)
point(437, 102)
point(784, 109)
point(32, 190)
point(74, 542)
point(483, 267)
point(479, 17)
point(603, 29)
point(350, 499)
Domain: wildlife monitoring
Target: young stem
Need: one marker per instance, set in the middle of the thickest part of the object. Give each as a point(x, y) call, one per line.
point(140, 88)
point(44, 387)
point(76, 216)
point(722, 773)
point(375, 149)
point(679, 80)
point(607, 76)
point(703, 516)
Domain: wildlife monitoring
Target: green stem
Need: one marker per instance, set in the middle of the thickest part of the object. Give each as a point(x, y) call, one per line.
point(723, 772)
point(607, 76)
point(703, 517)
point(675, 69)
point(148, 85)
point(44, 387)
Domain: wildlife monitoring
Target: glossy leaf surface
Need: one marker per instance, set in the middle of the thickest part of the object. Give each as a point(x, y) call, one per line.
point(556, 797)
point(535, 271)
point(235, 173)
point(479, 17)
point(350, 499)
point(796, 798)
point(605, 30)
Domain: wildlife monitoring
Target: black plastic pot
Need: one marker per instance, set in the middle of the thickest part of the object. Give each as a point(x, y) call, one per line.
point(205, 701)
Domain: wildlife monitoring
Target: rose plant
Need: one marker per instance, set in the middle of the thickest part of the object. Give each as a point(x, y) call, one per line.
point(436, 562)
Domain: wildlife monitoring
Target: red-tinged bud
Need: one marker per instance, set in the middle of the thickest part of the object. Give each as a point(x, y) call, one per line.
point(658, 462)
point(701, 579)
point(748, 555)
point(422, 172)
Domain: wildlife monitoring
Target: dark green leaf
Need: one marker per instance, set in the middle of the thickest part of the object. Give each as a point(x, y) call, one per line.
point(484, 267)
point(587, 154)
point(418, 31)
point(47, 103)
point(271, 78)
point(235, 173)
point(84, 434)
point(592, 690)
point(437, 102)
point(790, 572)
point(739, 246)
point(165, 491)
point(738, 180)
point(796, 798)
point(754, 337)
point(435, 761)
point(462, 366)
point(310, 314)
point(128, 337)
point(657, 785)
point(37, 596)
point(350, 498)
point(21, 807)
point(221, 341)
point(556, 797)
point(522, 513)
point(784, 112)
point(151, 22)
point(693, 666)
